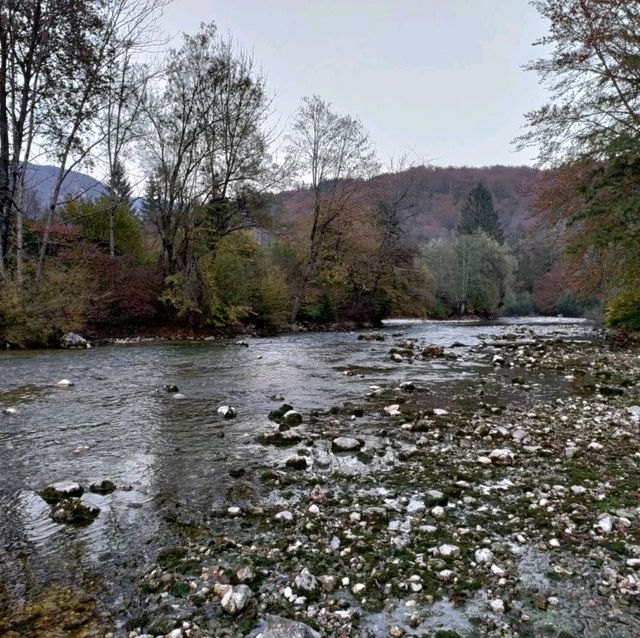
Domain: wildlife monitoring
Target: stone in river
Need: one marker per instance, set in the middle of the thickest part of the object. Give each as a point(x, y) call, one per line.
point(104, 487)
point(346, 444)
point(73, 340)
point(227, 412)
point(64, 489)
point(74, 512)
point(292, 418)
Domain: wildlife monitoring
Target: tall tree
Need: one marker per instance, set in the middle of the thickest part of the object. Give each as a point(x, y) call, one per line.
point(333, 152)
point(592, 75)
point(206, 149)
point(590, 133)
point(478, 213)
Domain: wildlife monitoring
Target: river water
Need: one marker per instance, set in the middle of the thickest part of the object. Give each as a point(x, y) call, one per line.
point(117, 422)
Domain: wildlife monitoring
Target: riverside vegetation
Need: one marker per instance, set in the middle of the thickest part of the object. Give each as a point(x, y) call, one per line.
point(194, 229)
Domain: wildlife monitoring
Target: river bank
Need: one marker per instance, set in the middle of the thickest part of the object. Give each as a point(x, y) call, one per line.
point(501, 503)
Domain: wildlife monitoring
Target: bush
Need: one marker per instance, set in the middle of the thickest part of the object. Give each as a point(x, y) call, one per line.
point(624, 310)
point(519, 305)
point(36, 316)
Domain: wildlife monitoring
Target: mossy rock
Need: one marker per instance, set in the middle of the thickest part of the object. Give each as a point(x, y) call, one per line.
point(104, 487)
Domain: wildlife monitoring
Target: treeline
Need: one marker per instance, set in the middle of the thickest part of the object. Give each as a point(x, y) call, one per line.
point(212, 246)
point(589, 135)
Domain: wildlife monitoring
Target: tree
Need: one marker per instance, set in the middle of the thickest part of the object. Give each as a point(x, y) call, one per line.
point(592, 75)
point(478, 213)
point(589, 132)
point(206, 143)
point(47, 50)
point(333, 152)
point(472, 273)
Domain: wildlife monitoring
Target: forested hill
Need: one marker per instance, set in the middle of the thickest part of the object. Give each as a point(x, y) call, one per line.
point(438, 193)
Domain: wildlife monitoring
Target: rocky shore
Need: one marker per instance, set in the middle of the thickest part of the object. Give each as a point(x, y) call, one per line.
point(490, 512)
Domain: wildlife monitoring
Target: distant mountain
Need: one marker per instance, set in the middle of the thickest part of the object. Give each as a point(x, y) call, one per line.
point(40, 182)
point(438, 193)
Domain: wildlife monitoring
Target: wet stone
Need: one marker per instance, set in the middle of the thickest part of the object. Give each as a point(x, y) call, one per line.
point(57, 491)
point(74, 512)
point(104, 487)
point(346, 444)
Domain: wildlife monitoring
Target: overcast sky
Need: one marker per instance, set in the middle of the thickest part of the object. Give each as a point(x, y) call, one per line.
point(438, 79)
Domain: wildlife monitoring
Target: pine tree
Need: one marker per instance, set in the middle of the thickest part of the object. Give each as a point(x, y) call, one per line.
point(478, 213)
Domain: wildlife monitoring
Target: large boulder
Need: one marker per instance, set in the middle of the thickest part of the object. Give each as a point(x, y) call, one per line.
point(278, 627)
point(73, 340)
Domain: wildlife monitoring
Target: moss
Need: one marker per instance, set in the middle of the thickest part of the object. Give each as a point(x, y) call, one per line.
point(580, 472)
point(169, 557)
point(180, 589)
point(140, 620)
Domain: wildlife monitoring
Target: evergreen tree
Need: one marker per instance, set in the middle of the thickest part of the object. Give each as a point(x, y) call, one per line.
point(478, 213)
point(119, 189)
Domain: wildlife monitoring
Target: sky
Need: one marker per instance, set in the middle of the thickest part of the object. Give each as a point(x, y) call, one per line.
point(438, 80)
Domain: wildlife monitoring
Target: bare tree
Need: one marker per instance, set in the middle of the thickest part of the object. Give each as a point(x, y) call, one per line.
point(333, 152)
point(207, 142)
point(74, 136)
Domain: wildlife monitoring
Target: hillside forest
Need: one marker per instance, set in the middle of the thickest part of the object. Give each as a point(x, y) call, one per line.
point(210, 218)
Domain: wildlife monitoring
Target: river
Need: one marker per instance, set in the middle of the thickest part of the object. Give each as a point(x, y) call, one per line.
point(172, 454)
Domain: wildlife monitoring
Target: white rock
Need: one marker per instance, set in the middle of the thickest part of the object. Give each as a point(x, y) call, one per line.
point(314, 509)
point(578, 489)
point(438, 512)
point(392, 410)
point(236, 599)
point(605, 524)
point(233, 510)
point(497, 571)
point(345, 444)
point(439, 412)
point(448, 550)
point(484, 460)
point(502, 456)
point(284, 517)
point(415, 505)
point(554, 542)
point(358, 588)
point(498, 360)
point(64, 383)
point(497, 605)
point(483, 555)
point(227, 411)
point(594, 445)
point(445, 574)
point(306, 581)
point(10, 411)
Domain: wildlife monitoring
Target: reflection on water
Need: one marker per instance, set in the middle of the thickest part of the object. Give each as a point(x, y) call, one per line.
point(117, 422)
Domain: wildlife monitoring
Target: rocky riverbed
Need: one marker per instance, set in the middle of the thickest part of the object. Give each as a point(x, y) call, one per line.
point(504, 505)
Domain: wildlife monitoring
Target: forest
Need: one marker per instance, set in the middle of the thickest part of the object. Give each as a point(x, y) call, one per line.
point(210, 218)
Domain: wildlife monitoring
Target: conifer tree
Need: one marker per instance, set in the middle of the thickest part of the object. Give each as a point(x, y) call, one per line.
point(478, 213)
